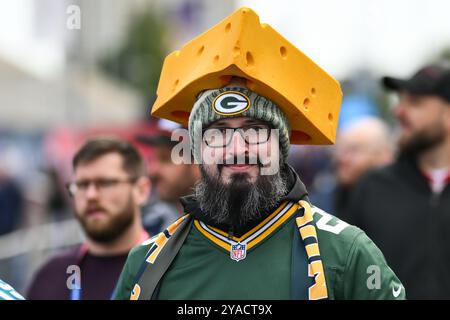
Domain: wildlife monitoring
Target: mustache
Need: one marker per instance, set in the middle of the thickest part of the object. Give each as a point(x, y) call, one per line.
point(94, 207)
point(403, 121)
point(253, 160)
point(242, 160)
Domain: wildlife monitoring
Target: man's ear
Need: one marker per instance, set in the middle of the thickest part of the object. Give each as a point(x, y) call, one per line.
point(142, 190)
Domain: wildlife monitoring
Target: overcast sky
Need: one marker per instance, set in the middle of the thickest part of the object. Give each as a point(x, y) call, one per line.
point(385, 36)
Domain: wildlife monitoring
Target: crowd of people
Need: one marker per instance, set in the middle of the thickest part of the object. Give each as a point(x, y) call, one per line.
point(153, 226)
point(399, 198)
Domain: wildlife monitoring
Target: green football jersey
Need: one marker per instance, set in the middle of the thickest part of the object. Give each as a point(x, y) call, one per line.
point(206, 269)
point(268, 262)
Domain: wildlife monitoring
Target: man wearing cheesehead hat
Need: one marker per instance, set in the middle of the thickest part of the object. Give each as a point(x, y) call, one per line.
point(249, 230)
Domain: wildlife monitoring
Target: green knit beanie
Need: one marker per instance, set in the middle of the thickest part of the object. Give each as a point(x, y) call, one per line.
point(216, 104)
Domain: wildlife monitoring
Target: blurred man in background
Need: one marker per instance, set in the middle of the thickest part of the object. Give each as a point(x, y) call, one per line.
point(361, 146)
point(109, 187)
point(170, 182)
point(405, 207)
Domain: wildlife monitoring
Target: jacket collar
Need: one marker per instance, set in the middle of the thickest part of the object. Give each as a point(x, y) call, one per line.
point(298, 191)
point(409, 170)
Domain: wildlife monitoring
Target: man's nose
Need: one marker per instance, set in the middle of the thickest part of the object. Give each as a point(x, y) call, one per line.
point(92, 191)
point(399, 110)
point(238, 144)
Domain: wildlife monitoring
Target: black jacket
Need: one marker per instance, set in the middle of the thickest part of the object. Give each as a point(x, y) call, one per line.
point(410, 224)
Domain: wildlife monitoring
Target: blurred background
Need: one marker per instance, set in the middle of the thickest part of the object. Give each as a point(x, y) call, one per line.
point(71, 69)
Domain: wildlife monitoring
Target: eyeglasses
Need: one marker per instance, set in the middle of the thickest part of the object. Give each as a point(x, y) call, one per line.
point(219, 137)
point(102, 185)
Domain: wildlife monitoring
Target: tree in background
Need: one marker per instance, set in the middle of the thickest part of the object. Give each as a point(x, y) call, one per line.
point(445, 54)
point(138, 59)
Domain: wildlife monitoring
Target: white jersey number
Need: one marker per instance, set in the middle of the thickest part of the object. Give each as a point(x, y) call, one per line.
point(322, 223)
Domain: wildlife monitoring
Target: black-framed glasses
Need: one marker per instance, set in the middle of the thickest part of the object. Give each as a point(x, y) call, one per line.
point(219, 137)
point(101, 184)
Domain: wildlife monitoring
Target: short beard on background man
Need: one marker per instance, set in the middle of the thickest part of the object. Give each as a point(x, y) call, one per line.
point(423, 141)
point(113, 228)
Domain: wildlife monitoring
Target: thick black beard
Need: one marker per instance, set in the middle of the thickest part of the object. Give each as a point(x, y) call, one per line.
point(240, 202)
point(423, 141)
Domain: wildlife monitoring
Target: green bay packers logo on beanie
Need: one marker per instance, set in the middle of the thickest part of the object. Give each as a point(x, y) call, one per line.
point(231, 103)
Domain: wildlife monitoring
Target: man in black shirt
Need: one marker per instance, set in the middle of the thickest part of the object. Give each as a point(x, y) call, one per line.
point(405, 207)
point(108, 190)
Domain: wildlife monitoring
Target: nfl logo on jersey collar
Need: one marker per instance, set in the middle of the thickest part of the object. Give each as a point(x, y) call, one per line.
point(238, 251)
point(237, 247)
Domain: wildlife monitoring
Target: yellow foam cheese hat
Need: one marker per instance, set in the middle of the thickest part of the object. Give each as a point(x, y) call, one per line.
point(243, 47)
